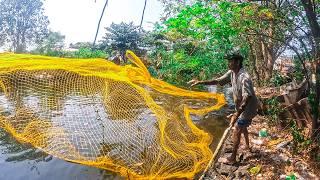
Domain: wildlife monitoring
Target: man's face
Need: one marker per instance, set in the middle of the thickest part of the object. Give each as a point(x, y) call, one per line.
point(233, 64)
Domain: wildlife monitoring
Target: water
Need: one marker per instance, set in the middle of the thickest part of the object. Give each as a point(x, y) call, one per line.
point(18, 161)
point(22, 161)
point(215, 122)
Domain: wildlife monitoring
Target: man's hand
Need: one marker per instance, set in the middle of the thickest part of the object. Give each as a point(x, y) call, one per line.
point(229, 116)
point(232, 121)
point(193, 82)
point(234, 118)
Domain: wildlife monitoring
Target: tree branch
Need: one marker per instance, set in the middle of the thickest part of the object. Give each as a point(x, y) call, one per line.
point(292, 48)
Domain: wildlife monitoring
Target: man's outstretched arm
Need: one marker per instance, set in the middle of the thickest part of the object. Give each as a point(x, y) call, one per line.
point(225, 79)
point(208, 82)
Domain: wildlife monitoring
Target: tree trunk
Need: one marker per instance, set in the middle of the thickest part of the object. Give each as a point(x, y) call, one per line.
point(315, 30)
point(97, 32)
point(252, 59)
point(268, 60)
point(261, 60)
point(255, 71)
point(142, 16)
point(270, 47)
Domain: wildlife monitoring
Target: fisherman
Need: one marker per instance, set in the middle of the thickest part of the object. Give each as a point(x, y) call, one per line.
point(244, 97)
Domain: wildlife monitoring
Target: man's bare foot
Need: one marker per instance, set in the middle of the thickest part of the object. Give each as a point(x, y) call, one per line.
point(228, 160)
point(246, 148)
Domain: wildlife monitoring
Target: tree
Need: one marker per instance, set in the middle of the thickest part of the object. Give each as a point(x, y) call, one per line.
point(302, 26)
point(266, 32)
point(173, 7)
point(79, 45)
point(311, 9)
point(142, 16)
point(98, 27)
point(266, 27)
point(22, 23)
point(53, 42)
point(122, 37)
point(195, 41)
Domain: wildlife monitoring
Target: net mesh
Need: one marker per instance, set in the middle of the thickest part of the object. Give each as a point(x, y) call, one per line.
point(93, 112)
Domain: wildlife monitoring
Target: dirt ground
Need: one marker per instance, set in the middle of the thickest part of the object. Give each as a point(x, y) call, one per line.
point(270, 157)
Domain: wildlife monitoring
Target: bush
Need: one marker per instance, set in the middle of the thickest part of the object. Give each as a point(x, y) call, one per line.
point(278, 80)
point(81, 53)
point(300, 141)
point(273, 111)
point(89, 53)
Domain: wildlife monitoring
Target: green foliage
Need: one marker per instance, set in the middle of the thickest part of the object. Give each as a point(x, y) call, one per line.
point(291, 177)
point(298, 73)
point(278, 80)
point(300, 142)
point(79, 45)
point(195, 35)
point(274, 110)
point(178, 66)
point(122, 37)
point(56, 53)
point(312, 101)
point(53, 43)
point(173, 7)
point(22, 22)
point(193, 43)
point(81, 53)
point(89, 53)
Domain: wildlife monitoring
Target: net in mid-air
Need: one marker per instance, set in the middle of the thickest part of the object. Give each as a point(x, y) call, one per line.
point(96, 113)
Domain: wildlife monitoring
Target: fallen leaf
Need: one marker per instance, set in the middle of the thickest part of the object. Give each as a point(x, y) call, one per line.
point(275, 142)
point(255, 170)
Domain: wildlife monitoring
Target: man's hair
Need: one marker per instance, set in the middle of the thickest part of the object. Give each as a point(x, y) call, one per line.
point(236, 57)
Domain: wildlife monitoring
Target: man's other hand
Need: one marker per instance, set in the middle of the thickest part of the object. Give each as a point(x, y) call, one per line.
point(234, 118)
point(232, 121)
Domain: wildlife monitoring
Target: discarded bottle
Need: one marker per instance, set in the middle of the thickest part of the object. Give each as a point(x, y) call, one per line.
point(263, 133)
point(291, 177)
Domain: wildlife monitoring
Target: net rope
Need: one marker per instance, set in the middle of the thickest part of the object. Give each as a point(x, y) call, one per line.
point(96, 113)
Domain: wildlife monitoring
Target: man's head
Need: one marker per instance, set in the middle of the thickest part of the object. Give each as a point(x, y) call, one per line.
point(234, 61)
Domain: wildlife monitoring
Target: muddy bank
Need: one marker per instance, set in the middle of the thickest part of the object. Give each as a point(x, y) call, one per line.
point(270, 157)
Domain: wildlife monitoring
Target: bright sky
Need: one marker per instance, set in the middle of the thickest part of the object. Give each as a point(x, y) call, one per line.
point(78, 19)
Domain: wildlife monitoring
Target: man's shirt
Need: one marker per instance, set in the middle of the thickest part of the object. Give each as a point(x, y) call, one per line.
point(242, 87)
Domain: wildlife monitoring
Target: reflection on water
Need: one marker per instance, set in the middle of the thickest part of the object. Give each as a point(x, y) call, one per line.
point(70, 108)
point(22, 161)
point(215, 122)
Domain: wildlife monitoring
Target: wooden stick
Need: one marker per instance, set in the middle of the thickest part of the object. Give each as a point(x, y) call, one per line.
point(214, 159)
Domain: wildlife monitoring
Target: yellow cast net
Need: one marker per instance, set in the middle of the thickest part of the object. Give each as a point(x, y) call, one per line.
point(93, 112)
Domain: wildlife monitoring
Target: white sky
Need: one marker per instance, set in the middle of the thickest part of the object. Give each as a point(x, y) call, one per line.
point(78, 19)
